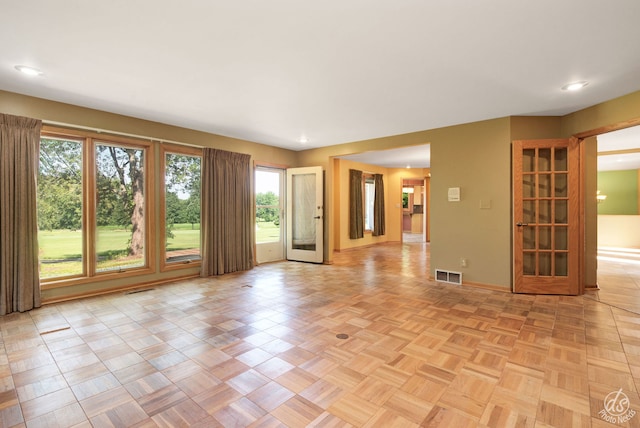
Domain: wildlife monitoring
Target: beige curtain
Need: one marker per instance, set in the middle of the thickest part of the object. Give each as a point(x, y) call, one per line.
point(19, 157)
point(356, 202)
point(227, 213)
point(378, 206)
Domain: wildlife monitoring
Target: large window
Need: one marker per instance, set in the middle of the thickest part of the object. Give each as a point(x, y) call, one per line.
point(182, 172)
point(267, 187)
point(60, 219)
point(120, 207)
point(369, 197)
point(93, 206)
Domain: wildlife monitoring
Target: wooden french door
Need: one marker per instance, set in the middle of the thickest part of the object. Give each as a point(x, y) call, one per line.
point(305, 194)
point(547, 217)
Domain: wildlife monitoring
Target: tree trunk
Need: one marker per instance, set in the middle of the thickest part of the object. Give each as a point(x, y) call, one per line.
point(136, 172)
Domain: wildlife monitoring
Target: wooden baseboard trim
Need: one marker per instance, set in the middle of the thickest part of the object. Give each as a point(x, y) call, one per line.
point(375, 244)
point(478, 285)
point(116, 290)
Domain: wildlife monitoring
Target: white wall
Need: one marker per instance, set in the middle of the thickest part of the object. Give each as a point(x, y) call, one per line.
point(619, 231)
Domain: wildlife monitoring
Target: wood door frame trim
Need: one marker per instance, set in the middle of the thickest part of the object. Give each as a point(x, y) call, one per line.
point(607, 128)
point(580, 137)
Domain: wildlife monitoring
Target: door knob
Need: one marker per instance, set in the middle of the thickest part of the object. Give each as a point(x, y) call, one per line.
point(522, 224)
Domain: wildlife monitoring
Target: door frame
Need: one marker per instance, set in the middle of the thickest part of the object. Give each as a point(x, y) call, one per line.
point(582, 136)
point(589, 252)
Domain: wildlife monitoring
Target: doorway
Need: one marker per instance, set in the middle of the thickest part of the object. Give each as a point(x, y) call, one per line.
point(269, 191)
point(618, 212)
point(415, 210)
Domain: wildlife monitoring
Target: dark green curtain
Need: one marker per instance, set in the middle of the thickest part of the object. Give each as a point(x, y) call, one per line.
point(356, 209)
point(378, 206)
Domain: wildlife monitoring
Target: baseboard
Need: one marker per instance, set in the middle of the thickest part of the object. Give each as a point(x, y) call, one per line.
point(489, 287)
point(68, 297)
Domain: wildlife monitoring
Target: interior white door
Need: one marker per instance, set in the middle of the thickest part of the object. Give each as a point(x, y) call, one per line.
point(305, 214)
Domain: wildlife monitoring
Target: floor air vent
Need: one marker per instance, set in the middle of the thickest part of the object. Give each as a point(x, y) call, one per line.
point(448, 276)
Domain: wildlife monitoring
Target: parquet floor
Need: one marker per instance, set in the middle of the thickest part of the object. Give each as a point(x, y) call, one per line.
point(260, 349)
point(619, 278)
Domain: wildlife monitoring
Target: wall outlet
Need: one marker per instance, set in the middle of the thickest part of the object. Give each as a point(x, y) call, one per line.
point(464, 262)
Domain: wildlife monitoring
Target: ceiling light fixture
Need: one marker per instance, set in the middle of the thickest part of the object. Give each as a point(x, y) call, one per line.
point(575, 86)
point(29, 71)
point(303, 140)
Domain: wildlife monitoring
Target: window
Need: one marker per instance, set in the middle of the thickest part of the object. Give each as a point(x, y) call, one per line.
point(267, 187)
point(181, 205)
point(93, 206)
point(369, 197)
point(60, 218)
point(120, 207)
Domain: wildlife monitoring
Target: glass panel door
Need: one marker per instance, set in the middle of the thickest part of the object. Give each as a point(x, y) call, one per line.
point(545, 234)
point(305, 214)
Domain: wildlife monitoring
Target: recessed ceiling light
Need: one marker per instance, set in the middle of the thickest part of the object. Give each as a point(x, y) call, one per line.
point(29, 71)
point(303, 140)
point(575, 86)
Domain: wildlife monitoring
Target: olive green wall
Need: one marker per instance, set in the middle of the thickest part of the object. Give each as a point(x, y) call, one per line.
point(590, 183)
point(621, 189)
point(475, 157)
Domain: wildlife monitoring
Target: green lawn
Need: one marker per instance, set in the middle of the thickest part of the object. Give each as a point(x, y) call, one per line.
point(266, 231)
point(61, 250)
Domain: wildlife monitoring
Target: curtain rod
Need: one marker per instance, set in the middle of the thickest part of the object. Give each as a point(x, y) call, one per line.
point(122, 134)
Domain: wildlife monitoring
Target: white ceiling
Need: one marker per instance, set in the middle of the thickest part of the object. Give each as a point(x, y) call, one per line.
point(623, 141)
point(333, 71)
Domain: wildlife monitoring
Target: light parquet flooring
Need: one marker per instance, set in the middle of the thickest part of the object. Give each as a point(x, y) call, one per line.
point(259, 349)
point(618, 278)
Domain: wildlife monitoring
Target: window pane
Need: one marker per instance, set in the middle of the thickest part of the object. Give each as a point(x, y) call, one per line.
point(182, 207)
point(544, 160)
point(562, 264)
point(303, 222)
point(529, 263)
point(268, 228)
point(544, 238)
point(544, 264)
point(560, 156)
point(561, 211)
point(528, 160)
point(369, 195)
point(561, 185)
point(529, 238)
point(120, 208)
point(544, 185)
point(545, 211)
point(561, 238)
point(60, 208)
point(528, 186)
point(529, 212)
